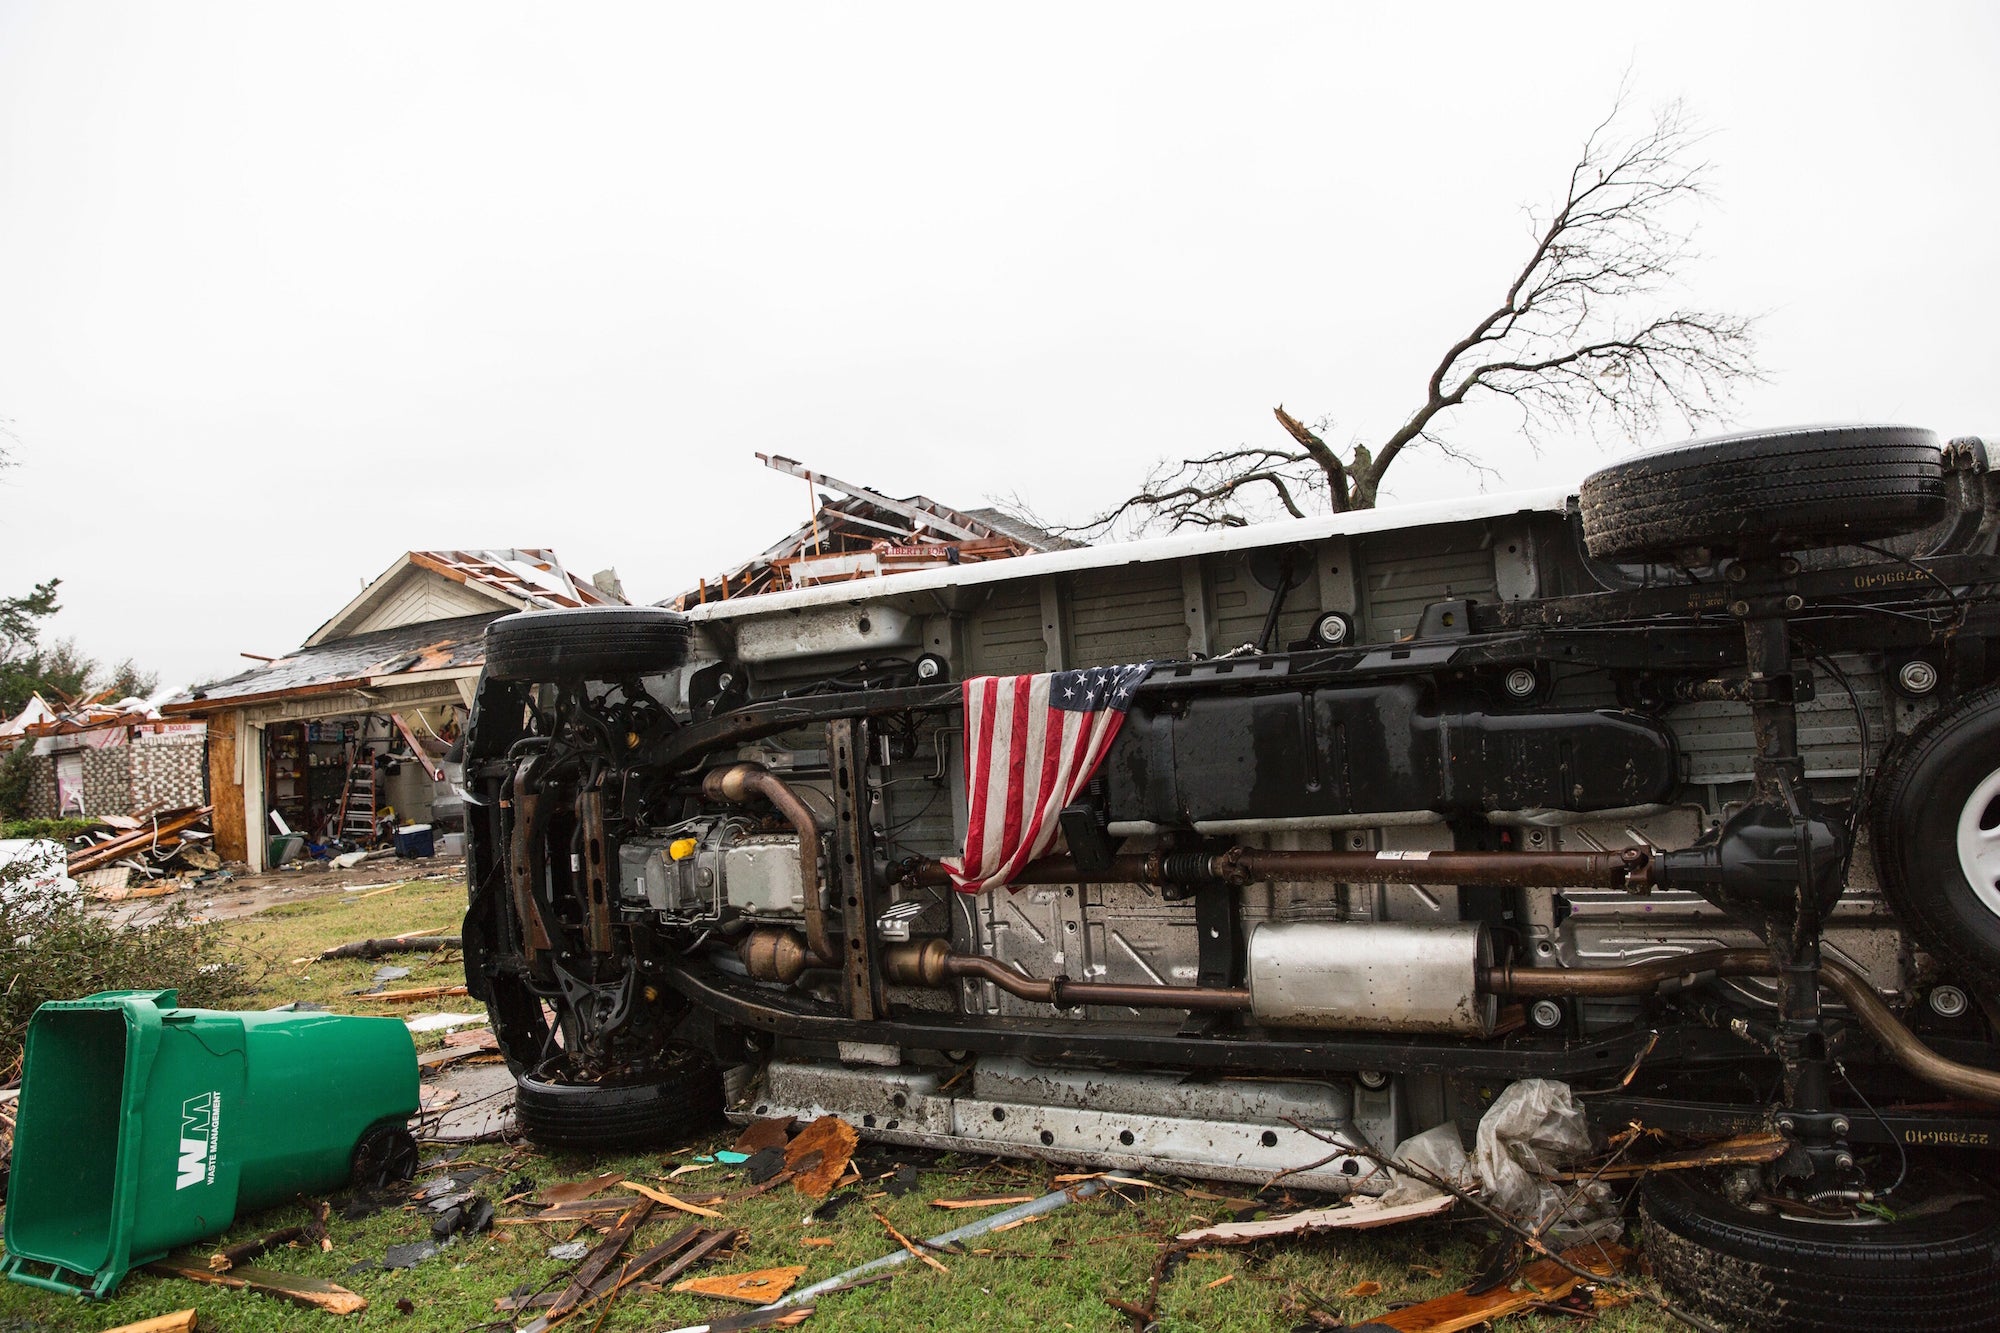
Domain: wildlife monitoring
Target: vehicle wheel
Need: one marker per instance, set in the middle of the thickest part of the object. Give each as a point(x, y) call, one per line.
point(590, 643)
point(675, 1101)
point(385, 1156)
point(1934, 1267)
point(1935, 830)
point(1765, 491)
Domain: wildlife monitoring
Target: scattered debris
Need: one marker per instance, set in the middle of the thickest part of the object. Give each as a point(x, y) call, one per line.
point(761, 1287)
point(417, 993)
point(408, 1256)
point(235, 1256)
point(929, 1259)
point(569, 1252)
point(415, 942)
point(762, 1165)
point(1362, 1214)
point(433, 1022)
point(1048, 1203)
point(834, 1140)
point(1746, 1150)
point(180, 1321)
point(662, 1197)
point(307, 1291)
point(1001, 1202)
point(1542, 1282)
point(574, 1191)
point(762, 1134)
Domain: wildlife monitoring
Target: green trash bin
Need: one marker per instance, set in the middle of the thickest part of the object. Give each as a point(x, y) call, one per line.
point(142, 1126)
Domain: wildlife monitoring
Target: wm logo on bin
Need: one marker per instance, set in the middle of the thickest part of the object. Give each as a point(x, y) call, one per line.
point(201, 1119)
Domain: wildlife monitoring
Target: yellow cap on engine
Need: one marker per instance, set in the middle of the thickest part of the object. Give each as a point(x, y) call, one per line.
point(682, 848)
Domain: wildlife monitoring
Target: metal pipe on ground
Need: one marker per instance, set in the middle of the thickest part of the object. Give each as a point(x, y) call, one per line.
point(1048, 1203)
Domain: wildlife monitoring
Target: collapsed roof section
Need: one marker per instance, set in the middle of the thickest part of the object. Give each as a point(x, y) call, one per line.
point(519, 580)
point(406, 653)
point(866, 534)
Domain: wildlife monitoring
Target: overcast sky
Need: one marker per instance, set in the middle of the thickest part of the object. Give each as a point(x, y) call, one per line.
point(286, 290)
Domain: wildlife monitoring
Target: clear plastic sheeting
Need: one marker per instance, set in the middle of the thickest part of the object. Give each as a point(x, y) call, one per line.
point(1533, 1130)
point(1436, 1154)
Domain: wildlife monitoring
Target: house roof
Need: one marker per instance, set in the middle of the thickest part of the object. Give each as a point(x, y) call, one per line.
point(529, 579)
point(867, 534)
point(379, 657)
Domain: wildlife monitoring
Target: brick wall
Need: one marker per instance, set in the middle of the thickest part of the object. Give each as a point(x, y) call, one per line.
point(40, 802)
point(107, 781)
point(171, 770)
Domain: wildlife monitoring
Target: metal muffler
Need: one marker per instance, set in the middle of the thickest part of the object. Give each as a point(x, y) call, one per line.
point(1372, 976)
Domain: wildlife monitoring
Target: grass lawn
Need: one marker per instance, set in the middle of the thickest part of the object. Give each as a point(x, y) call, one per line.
point(1051, 1274)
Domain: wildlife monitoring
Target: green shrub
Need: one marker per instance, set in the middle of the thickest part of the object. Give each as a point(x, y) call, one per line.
point(60, 829)
point(53, 947)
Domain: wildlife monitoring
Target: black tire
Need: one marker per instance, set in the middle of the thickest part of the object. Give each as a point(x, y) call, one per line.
point(1763, 1272)
point(1930, 789)
point(1765, 491)
point(673, 1103)
point(591, 643)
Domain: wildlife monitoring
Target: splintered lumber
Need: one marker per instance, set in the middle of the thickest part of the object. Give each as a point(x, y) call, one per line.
point(662, 1197)
point(599, 1259)
point(125, 844)
point(1003, 1201)
point(310, 1292)
point(1361, 1215)
point(395, 944)
point(180, 1321)
point(414, 994)
point(758, 1288)
point(609, 1283)
point(1744, 1150)
point(575, 1191)
point(238, 1255)
point(835, 1140)
point(910, 1245)
point(1540, 1282)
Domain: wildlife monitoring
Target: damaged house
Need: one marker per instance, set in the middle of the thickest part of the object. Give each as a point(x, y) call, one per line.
point(347, 734)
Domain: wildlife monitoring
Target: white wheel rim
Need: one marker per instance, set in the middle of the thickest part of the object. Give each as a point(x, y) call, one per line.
point(1979, 847)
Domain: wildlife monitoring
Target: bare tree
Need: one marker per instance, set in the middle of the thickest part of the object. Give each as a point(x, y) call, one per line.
point(1583, 333)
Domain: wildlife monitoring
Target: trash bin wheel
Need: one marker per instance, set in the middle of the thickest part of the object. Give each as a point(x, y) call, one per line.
point(385, 1156)
point(1935, 831)
point(1766, 491)
point(1932, 1267)
point(588, 643)
point(679, 1098)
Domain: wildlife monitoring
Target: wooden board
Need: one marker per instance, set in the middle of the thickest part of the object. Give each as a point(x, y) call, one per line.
point(310, 1292)
point(1362, 1215)
point(1543, 1280)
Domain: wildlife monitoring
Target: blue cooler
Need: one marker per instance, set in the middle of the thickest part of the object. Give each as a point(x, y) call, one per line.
point(414, 840)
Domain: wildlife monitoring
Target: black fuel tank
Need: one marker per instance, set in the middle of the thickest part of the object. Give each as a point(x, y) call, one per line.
point(1366, 749)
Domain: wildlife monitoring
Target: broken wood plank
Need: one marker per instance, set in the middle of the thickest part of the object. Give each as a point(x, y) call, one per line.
point(393, 944)
point(238, 1255)
point(413, 994)
point(908, 1244)
point(1744, 1150)
point(1543, 1281)
point(760, 1134)
point(1000, 1202)
point(574, 1191)
point(310, 1292)
point(761, 1287)
point(595, 1262)
point(1361, 1215)
point(180, 1321)
point(662, 1197)
point(835, 1140)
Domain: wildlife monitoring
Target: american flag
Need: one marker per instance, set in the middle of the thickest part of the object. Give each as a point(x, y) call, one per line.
point(1031, 743)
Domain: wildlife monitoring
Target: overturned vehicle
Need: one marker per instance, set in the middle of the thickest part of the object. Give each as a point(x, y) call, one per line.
point(1188, 853)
